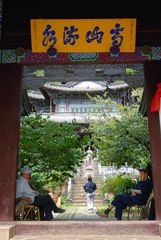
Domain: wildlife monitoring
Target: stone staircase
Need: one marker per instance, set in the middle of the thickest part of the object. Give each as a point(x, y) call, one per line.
point(78, 193)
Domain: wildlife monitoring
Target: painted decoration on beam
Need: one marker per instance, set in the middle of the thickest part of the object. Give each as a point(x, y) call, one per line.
point(83, 35)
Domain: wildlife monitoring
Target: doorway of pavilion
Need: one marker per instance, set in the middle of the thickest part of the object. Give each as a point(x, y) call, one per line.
point(8, 71)
point(46, 86)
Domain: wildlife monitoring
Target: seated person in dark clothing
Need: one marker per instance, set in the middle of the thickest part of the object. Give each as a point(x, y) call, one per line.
point(26, 193)
point(139, 196)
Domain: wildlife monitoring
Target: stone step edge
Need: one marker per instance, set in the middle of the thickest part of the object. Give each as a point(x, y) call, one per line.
point(87, 236)
point(84, 227)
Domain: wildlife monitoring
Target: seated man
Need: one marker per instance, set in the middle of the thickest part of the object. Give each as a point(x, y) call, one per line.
point(139, 196)
point(25, 192)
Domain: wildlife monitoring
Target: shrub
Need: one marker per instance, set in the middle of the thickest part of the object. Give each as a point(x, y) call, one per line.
point(117, 185)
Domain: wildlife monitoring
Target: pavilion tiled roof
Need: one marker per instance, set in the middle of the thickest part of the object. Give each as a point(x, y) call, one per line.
point(35, 95)
point(117, 86)
point(75, 88)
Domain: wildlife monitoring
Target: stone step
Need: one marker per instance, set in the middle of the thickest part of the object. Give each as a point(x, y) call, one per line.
point(98, 196)
point(100, 201)
point(81, 186)
point(85, 237)
point(98, 228)
point(83, 204)
point(81, 190)
point(82, 194)
point(79, 202)
point(84, 200)
point(83, 181)
point(76, 187)
point(94, 176)
point(75, 198)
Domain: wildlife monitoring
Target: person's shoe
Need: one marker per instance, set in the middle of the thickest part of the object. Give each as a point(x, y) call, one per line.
point(102, 214)
point(90, 210)
point(59, 210)
point(107, 211)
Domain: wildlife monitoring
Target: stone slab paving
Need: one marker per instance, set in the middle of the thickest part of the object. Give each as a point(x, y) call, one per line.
point(74, 212)
point(80, 213)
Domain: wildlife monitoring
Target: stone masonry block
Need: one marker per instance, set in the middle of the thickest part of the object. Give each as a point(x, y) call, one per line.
point(7, 232)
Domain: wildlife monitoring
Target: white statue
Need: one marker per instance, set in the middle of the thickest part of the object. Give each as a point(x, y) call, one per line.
point(89, 156)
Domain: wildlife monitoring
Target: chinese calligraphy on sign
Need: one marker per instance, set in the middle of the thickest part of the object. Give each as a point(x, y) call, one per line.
point(95, 35)
point(49, 36)
point(83, 35)
point(68, 36)
point(117, 38)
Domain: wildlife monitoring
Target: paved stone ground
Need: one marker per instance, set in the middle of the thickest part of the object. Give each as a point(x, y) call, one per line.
point(80, 213)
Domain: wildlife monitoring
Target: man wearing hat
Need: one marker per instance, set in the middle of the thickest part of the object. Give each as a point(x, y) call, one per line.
point(139, 196)
point(25, 192)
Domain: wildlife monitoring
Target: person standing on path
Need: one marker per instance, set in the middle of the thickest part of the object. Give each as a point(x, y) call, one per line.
point(90, 188)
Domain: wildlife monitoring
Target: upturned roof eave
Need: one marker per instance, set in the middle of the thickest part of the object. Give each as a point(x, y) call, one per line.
point(73, 89)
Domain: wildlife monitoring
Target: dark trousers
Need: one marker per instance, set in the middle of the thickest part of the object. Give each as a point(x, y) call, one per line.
point(120, 202)
point(46, 205)
point(151, 215)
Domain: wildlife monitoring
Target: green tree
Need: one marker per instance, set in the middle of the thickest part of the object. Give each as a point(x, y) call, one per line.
point(53, 150)
point(121, 137)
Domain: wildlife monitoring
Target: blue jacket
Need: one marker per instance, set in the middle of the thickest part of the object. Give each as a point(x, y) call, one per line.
point(90, 187)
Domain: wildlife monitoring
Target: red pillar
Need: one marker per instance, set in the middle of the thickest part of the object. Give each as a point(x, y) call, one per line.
point(152, 70)
point(10, 80)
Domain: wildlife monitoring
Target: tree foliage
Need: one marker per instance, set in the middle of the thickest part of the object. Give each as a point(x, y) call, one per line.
point(121, 137)
point(53, 150)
